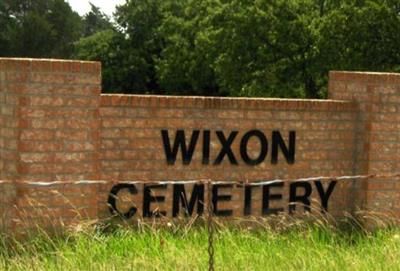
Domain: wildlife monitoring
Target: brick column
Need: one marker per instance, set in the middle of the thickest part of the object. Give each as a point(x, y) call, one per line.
point(50, 119)
point(49, 131)
point(377, 134)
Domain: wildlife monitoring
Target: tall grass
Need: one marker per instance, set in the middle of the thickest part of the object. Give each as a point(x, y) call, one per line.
point(310, 247)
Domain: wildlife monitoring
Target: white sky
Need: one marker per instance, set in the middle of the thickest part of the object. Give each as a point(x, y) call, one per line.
point(107, 6)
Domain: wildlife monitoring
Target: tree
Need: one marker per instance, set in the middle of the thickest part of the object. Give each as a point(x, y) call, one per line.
point(8, 26)
point(274, 48)
point(128, 50)
point(242, 48)
point(104, 46)
point(361, 35)
point(185, 63)
point(40, 28)
point(95, 21)
point(138, 21)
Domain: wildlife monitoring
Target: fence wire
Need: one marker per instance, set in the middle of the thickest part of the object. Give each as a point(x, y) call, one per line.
point(205, 181)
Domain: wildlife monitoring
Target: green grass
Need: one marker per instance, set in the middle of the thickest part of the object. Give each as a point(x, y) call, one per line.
point(297, 248)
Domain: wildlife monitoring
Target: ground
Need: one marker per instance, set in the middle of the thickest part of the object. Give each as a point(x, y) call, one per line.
point(312, 247)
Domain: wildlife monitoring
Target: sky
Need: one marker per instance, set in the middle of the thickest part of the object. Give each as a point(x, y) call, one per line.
point(107, 6)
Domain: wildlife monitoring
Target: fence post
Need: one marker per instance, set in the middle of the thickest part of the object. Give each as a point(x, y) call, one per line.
point(210, 227)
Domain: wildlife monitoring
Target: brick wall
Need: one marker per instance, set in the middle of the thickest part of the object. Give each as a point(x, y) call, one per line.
point(132, 146)
point(56, 129)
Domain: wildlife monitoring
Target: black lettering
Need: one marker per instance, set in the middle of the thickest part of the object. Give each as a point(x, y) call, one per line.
point(226, 148)
point(113, 196)
point(187, 153)
point(263, 150)
point(289, 153)
point(206, 147)
point(181, 198)
point(148, 198)
point(267, 197)
point(293, 197)
point(247, 199)
point(216, 198)
point(324, 195)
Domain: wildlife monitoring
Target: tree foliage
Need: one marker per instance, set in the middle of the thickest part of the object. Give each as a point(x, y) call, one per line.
point(95, 21)
point(276, 47)
point(38, 28)
point(273, 48)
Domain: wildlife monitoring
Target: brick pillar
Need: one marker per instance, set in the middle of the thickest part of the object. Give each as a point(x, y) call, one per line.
point(377, 134)
point(49, 131)
point(49, 119)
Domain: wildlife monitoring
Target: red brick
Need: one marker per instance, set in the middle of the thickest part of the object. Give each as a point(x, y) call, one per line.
point(74, 123)
point(36, 134)
point(79, 146)
point(41, 65)
point(73, 135)
point(47, 123)
point(36, 157)
point(73, 157)
point(37, 146)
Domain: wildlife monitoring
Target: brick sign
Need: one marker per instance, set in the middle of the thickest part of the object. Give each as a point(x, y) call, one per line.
point(69, 152)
